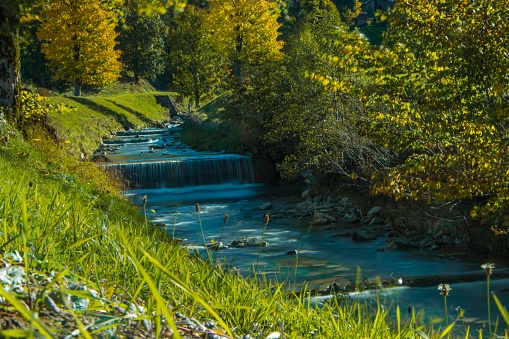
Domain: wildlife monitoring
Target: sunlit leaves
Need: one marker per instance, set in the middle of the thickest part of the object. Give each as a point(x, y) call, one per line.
point(142, 42)
point(245, 30)
point(442, 104)
point(313, 125)
point(79, 41)
point(197, 66)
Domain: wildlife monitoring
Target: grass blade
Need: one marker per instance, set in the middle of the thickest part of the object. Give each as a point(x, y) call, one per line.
point(182, 286)
point(502, 309)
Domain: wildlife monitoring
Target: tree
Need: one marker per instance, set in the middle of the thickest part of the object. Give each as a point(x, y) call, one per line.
point(246, 31)
point(197, 67)
point(142, 42)
point(442, 103)
point(11, 14)
point(33, 63)
point(79, 41)
point(10, 69)
point(314, 125)
point(348, 9)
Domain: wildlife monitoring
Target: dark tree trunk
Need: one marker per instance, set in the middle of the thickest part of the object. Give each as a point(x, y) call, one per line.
point(77, 88)
point(10, 67)
point(196, 88)
point(77, 56)
point(237, 64)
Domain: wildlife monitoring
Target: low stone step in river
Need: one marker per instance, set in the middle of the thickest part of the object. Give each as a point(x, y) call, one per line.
point(298, 251)
point(162, 162)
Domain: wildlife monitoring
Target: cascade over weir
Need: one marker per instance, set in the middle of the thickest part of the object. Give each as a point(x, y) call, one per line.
point(155, 158)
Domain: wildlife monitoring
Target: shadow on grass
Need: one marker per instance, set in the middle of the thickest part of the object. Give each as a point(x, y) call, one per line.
point(139, 115)
point(121, 119)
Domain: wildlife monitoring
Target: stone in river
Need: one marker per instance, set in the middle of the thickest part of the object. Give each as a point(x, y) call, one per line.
point(364, 234)
point(247, 241)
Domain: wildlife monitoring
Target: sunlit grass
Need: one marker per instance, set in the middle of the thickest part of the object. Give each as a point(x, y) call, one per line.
point(72, 232)
point(101, 115)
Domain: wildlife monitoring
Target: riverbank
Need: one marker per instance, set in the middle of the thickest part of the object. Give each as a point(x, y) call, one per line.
point(78, 260)
point(307, 239)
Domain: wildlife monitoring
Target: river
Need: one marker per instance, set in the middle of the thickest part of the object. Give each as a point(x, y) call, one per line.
point(174, 178)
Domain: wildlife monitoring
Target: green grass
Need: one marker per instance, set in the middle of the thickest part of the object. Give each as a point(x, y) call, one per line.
point(93, 117)
point(209, 130)
point(69, 225)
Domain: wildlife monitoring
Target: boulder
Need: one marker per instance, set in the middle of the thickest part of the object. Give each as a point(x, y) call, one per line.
point(404, 242)
point(352, 216)
point(366, 219)
point(319, 215)
point(376, 221)
point(427, 242)
point(305, 194)
point(364, 234)
point(247, 241)
point(375, 211)
point(319, 222)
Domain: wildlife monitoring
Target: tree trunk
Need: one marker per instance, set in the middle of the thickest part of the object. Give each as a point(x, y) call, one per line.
point(10, 66)
point(77, 56)
point(237, 64)
point(77, 88)
point(196, 88)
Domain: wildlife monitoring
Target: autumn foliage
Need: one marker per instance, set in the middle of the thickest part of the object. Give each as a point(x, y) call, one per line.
point(441, 103)
point(79, 42)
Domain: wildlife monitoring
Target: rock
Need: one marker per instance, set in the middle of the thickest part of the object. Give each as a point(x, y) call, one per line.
point(376, 221)
point(303, 205)
point(393, 234)
point(333, 288)
point(266, 206)
point(305, 194)
point(319, 222)
point(404, 242)
point(343, 234)
point(380, 249)
point(364, 234)
point(247, 241)
point(366, 219)
point(392, 246)
point(351, 216)
point(325, 216)
point(293, 252)
point(375, 211)
point(100, 158)
point(427, 242)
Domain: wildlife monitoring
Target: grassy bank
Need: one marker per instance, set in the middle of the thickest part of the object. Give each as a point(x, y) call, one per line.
point(78, 259)
point(207, 130)
point(89, 118)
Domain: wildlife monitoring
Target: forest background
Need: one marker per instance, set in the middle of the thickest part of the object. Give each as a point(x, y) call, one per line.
point(420, 116)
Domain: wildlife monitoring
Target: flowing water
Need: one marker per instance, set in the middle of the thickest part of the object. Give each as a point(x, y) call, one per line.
point(174, 178)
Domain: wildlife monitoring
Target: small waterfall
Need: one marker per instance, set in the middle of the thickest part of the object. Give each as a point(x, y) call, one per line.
point(188, 172)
